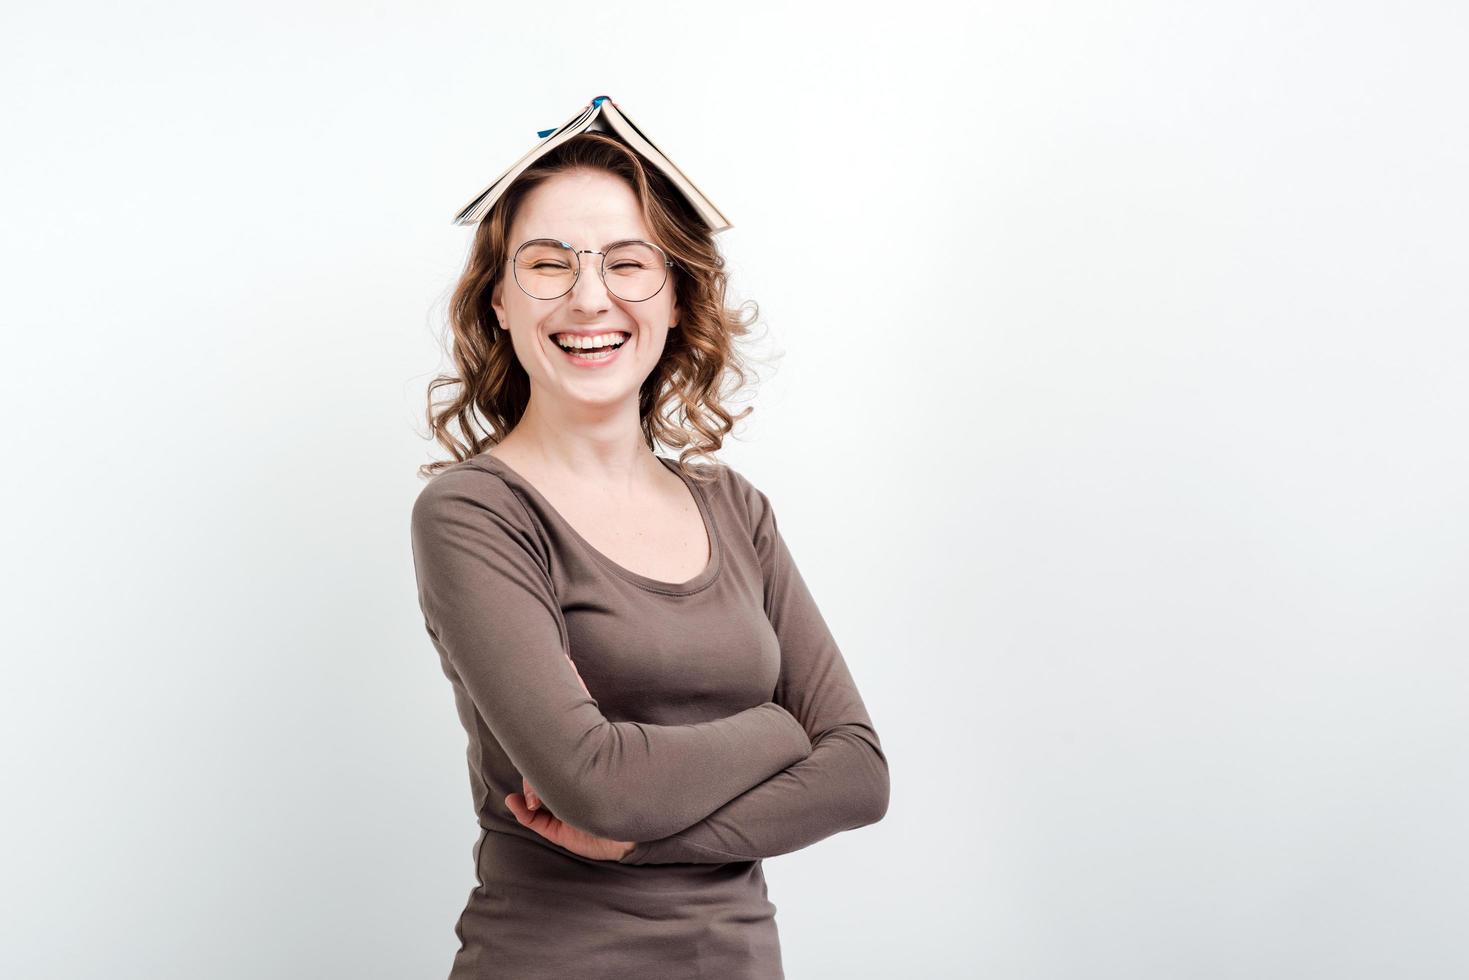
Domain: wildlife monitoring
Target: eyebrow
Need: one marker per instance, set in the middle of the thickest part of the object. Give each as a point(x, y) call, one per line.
point(615, 241)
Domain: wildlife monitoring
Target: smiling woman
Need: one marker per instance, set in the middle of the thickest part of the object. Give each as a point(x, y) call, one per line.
point(653, 701)
point(592, 189)
point(554, 294)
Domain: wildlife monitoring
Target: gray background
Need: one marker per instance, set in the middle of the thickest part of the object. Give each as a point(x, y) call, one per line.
point(1136, 499)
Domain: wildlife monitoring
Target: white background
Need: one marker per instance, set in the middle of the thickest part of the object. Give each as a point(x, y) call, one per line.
point(1136, 500)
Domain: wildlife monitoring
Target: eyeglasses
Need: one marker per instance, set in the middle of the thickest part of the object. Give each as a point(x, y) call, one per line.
point(633, 271)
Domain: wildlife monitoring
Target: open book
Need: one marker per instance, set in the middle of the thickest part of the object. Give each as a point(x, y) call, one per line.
point(601, 115)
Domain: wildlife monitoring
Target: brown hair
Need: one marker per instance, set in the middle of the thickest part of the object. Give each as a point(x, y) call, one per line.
point(681, 402)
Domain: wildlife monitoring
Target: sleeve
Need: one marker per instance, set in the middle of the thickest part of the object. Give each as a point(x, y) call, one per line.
point(841, 785)
point(488, 602)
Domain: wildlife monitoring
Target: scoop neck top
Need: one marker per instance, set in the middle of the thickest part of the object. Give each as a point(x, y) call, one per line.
point(700, 581)
point(713, 723)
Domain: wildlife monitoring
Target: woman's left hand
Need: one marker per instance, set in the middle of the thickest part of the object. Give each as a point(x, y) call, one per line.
point(531, 812)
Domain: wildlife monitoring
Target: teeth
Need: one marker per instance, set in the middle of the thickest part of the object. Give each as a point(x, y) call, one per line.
point(572, 342)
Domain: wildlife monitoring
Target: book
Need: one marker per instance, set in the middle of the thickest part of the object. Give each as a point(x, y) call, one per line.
point(600, 115)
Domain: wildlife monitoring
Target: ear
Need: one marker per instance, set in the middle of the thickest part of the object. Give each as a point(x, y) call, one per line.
point(495, 304)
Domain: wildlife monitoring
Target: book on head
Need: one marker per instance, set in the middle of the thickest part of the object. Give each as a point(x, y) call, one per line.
point(600, 115)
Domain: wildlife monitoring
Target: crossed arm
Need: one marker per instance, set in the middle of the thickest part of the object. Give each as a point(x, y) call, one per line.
point(841, 785)
point(488, 603)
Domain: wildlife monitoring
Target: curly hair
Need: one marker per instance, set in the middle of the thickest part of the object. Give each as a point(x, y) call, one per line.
point(682, 402)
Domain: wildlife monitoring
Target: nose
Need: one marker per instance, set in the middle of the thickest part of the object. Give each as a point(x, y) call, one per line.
point(589, 292)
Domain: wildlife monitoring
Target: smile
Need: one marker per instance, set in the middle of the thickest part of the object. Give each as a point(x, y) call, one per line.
point(597, 349)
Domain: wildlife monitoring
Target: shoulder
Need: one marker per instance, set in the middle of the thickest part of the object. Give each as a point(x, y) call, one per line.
point(466, 490)
point(738, 493)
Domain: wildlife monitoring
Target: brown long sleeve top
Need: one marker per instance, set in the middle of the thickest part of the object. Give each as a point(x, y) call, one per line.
point(722, 727)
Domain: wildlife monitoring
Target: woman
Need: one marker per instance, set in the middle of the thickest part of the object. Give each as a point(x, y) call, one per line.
point(653, 701)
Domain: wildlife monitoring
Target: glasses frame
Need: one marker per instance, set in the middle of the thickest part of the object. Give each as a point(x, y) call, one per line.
point(601, 266)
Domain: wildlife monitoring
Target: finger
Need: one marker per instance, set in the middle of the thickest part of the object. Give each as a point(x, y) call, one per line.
point(532, 799)
point(542, 823)
point(538, 820)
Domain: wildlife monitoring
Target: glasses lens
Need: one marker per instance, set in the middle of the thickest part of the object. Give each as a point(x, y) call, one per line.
point(635, 271)
point(545, 268)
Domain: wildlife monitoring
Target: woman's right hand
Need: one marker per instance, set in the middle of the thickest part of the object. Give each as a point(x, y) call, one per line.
point(574, 839)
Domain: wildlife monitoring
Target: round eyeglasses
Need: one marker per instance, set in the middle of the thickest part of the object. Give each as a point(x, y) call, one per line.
point(633, 271)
